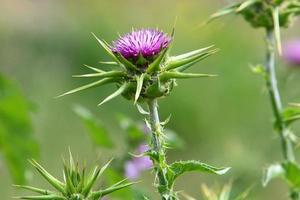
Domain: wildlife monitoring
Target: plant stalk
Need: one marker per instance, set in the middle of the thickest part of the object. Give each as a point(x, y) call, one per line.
point(276, 102)
point(159, 157)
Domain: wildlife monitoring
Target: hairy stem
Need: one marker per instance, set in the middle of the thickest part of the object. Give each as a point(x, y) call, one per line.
point(159, 157)
point(275, 98)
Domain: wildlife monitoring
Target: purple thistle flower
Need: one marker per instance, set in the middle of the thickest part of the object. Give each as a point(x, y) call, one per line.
point(291, 52)
point(144, 42)
point(134, 167)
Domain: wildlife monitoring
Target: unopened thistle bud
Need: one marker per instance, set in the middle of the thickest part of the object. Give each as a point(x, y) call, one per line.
point(77, 184)
point(268, 14)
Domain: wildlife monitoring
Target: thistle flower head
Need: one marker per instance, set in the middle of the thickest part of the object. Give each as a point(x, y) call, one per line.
point(146, 43)
point(146, 70)
point(76, 185)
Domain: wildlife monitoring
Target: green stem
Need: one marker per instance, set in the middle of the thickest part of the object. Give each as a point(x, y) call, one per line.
point(275, 98)
point(159, 157)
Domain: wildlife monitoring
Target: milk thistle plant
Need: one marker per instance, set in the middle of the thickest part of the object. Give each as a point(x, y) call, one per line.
point(272, 15)
point(147, 73)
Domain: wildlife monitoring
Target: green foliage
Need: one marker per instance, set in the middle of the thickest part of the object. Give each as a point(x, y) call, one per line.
point(16, 140)
point(96, 131)
point(76, 185)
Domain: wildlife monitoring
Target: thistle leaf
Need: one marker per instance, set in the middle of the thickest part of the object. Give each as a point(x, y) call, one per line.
point(52, 180)
point(155, 65)
point(272, 172)
point(103, 74)
point(90, 85)
point(47, 197)
point(108, 62)
point(102, 193)
point(292, 173)
point(93, 68)
point(245, 5)
point(91, 181)
point(68, 180)
point(97, 132)
point(139, 86)
point(97, 173)
point(141, 110)
point(180, 75)
point(178, 168)
point(33, 189)
point(291, 114)
point(225, 11)
point(106, 48)
point(188, 59)
point(127, 64)
point(191, 53)
point(275, 13)
point(115, 188)
point(118, 92)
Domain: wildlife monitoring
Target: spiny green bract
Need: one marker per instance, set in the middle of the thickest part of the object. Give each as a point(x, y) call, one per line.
point(77, 185)
point(157, 79)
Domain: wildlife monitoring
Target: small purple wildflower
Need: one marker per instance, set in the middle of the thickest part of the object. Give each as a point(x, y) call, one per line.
point(145, 42)
point(291, 52)
point(136, 165)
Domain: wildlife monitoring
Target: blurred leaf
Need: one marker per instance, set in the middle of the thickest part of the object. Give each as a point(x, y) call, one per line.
point(16, 140)
point(98, 134)
point(273, 171)
point(291, 114)
point(173, 140)
point(292, 173)
point(132, 130)
point(258, 69)
point(224, 193)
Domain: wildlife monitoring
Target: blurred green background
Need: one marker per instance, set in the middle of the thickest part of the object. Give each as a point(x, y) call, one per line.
point(225, 121)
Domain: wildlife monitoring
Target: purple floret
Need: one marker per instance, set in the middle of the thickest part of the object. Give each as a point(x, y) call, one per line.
point(147, 42)
point(291, 52)
point(135, 166)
